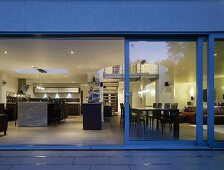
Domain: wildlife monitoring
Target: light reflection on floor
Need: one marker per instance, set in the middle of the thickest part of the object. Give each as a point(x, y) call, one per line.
point(70, 132)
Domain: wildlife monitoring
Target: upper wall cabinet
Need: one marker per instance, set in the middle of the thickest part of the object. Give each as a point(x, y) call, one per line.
point(57, 90)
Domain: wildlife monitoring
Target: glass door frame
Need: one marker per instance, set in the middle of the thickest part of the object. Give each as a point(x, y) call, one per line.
point(210, 84)
point(199, 96)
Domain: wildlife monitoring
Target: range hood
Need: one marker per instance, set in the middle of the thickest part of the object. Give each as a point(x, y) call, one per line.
point(22, 87)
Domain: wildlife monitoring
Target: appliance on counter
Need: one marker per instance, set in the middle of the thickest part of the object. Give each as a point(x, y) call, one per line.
point(94, 97)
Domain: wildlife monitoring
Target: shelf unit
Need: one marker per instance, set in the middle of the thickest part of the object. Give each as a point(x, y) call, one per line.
point(111, 99)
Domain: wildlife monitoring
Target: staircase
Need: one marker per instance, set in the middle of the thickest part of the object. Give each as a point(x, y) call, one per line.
point(110, 95)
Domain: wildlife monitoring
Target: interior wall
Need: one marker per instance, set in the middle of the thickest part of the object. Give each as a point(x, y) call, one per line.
point(182, 94)
point(219, 89)
point(11, 83)
point(85, 89)
point(137, 100)
point(150, 96)
point(11, 86)
point(165, 94)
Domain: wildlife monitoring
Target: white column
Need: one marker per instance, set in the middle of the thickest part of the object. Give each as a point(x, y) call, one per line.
point(3, 88)
point(100, 76)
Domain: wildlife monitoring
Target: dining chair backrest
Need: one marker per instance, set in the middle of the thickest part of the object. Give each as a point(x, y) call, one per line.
point(173, 113)
point(130, 112)
point(159, 105)
point(174, 105)
point(154, 105)
point(121, 105)
point(2, 106)
point(122, 109)
point(167, 106)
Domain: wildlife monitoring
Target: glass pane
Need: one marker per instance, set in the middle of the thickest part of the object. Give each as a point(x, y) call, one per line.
point(163, 88)
point(219, 90)
point(205, 54)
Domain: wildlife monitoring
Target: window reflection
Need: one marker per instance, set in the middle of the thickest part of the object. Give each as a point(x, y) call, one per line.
point(163, 88)
point(219, 90)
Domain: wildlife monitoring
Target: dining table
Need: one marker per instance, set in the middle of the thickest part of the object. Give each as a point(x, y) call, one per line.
point(146, 110)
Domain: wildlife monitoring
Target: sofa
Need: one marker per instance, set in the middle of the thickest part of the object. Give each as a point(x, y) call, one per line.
point(189, 114)
point(3, 123)
point(218, 115)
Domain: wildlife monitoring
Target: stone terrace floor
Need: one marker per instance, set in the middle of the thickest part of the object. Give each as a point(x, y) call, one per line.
point(112, 160)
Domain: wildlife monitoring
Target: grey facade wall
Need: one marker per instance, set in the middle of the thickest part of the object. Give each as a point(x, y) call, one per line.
point(111, 15)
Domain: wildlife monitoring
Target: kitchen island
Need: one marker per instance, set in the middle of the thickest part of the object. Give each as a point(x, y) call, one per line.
point(92, 116)
point(32, 114)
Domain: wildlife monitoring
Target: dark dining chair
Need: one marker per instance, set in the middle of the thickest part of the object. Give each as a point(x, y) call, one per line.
point(169, 116)
point(122, 113)
point(159, 105)
point(131, 117)
point(134, 119)
point(152, 116)
point(156, 115)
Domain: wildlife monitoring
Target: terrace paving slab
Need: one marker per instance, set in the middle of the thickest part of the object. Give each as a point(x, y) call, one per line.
point(112, 159)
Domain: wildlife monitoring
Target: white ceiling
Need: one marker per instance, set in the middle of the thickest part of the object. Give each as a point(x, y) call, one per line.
point(89, 56)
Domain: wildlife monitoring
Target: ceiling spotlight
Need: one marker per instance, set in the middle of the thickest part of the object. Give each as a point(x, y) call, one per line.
point(5, 52)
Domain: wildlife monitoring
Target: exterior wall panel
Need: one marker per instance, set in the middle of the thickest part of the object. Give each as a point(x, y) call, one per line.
point(111, 15)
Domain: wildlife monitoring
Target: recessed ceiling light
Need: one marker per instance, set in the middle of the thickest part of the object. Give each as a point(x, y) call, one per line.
point(5, 52)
